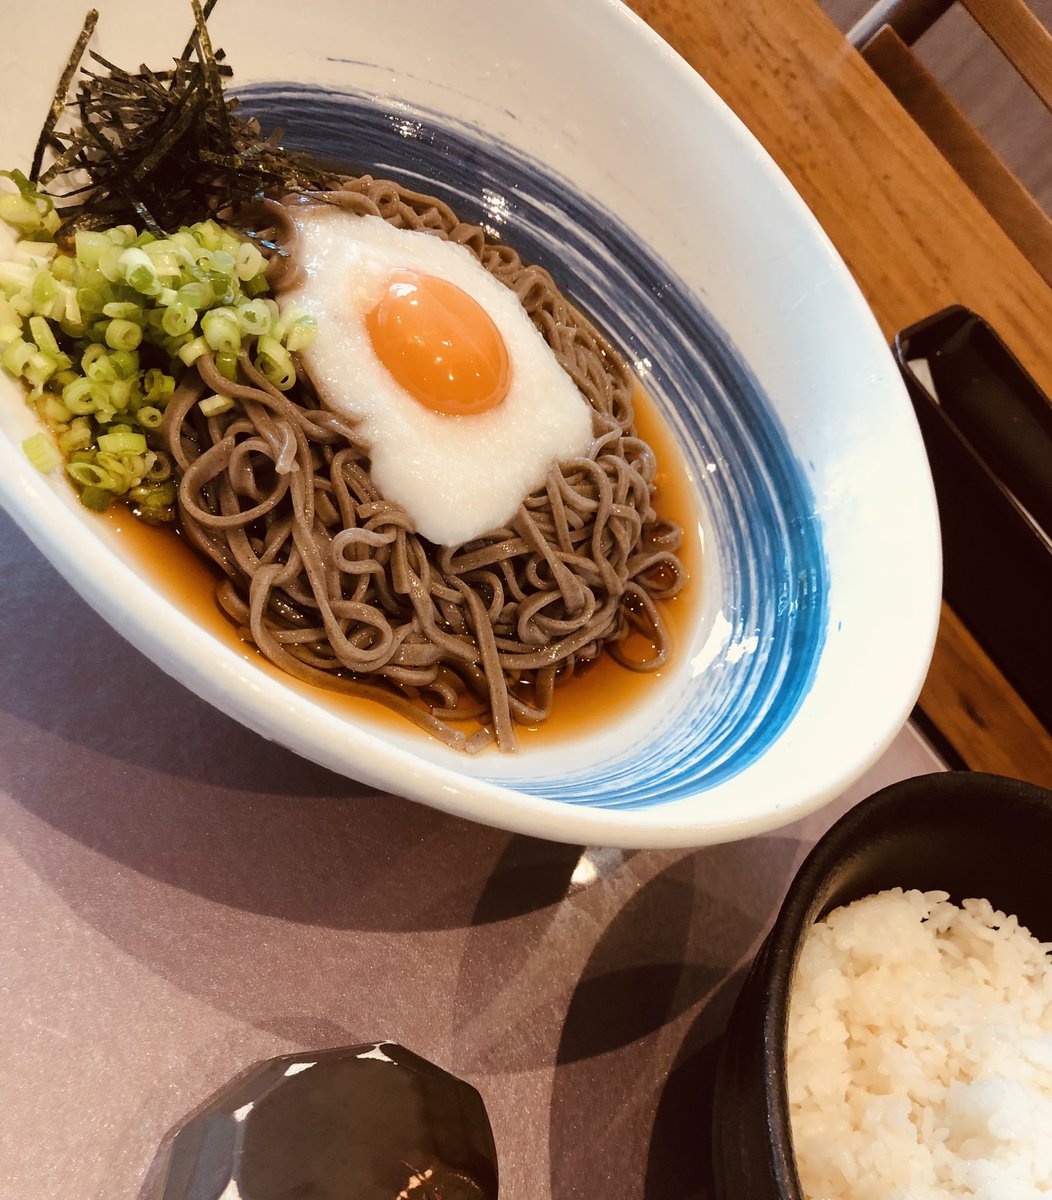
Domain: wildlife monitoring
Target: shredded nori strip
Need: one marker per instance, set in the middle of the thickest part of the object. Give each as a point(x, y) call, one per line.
point(204, 17)
point(62, 91)
point(160, 149)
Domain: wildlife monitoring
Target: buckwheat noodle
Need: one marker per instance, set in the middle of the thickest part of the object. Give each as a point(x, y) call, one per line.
point(331, 582)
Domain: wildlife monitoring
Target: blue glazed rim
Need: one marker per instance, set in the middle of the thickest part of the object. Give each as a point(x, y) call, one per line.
point(759, 510)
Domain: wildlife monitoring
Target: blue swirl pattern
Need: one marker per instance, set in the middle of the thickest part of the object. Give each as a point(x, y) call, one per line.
point(759, 510)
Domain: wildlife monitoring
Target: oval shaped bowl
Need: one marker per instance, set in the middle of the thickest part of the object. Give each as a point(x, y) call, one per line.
point(663, 218)
point(972, 835)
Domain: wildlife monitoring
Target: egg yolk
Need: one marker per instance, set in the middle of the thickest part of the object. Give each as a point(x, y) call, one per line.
point(440, 344)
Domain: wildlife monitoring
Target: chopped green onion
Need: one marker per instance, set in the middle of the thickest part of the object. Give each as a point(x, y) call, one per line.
point(192, 351)
point(45, 291)
point(149, 417)
point(92, 355)
point(71, 314)
point(209, 235)
point(64, 268)
point(78, 437)
point(22, 303)
point(275, 363)
point(122, 235)
point(123, 335)
point(250, 262)
point(72, 326)
point(18, 212)
point(41, 452)
point(39, 369)
point(254, 318)
point(221, 331)
point(16, 355)
point(34, 254)
point(178, 318)
point(52, 409)
point(79, 396)
point(289, 316)
point(42, 335)
point(140, 271)
point(119, 393)
point(156, 385)
point(96, 498)
point(91, 301)
point(29, 211)
point(89, 246)
point(226, 365)
point(223, 262)
point(154, 502)
point(125, 363)
point(302, 334)
point(224, 289)
point(16, 276)
point(256, 286)
point(212, 406)
point(110, 262)
point(122, 443)
point(156, 495)
point(121, 471)
point(87, 474)
point(101, 370)
point(160, 469)
point(124, 311)
point(196, 295)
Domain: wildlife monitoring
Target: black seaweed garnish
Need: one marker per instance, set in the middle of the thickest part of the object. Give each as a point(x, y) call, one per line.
point(158, 149)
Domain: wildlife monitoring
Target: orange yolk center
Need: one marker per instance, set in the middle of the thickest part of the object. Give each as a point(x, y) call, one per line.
point(440, 345)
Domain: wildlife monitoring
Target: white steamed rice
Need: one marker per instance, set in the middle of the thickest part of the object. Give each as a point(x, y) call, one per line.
point(920, 1053)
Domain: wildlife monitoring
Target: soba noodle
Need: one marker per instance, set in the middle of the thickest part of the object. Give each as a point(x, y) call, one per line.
point(331, 582)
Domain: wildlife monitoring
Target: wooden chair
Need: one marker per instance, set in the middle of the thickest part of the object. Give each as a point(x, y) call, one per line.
point(884, 37)
point(1015, 742)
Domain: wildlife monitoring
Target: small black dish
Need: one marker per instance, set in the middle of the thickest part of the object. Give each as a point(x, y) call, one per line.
point(967, 834)
point(370, 1122)
point(987, 430)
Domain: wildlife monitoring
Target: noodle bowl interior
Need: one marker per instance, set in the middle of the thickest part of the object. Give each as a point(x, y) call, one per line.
point(333, 584)
point(412, 467)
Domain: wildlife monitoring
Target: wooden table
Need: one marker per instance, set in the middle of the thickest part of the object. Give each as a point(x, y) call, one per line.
point(916, 240)
point(176, 908)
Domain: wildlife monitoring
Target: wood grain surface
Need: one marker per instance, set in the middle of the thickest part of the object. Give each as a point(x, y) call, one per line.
point(1021, 38)
point(963, 146)
point(975, 73)
point(979, 714)
point(913, 235)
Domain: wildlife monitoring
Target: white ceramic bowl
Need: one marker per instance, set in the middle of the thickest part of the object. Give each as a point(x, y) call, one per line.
point(663, 217)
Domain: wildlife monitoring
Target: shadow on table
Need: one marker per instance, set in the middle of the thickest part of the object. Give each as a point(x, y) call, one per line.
point(679, 1161)
point(304, 904)
point(313, 908)
point(648, 967)
point(103, 746)
point(65, 670)
point(635, 1067)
